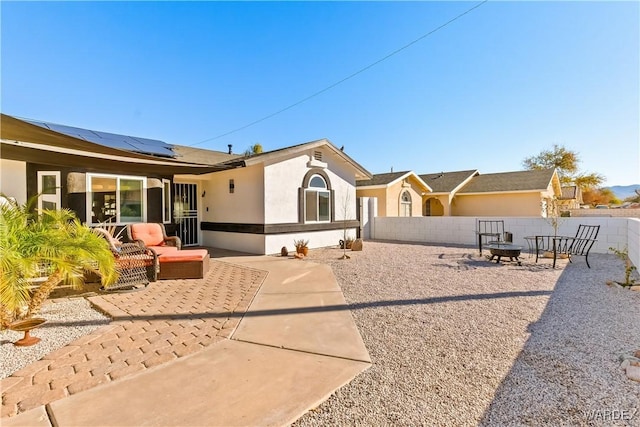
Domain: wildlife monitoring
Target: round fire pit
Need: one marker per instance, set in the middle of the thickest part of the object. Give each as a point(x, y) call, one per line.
point(500, 250)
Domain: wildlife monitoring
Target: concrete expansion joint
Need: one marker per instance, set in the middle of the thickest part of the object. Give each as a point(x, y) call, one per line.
point(337, 291)
point(281, 347)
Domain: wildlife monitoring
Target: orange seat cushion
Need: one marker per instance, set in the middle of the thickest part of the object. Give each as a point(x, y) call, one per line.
point(150, 233)
point(161, 250)
point(183, 256)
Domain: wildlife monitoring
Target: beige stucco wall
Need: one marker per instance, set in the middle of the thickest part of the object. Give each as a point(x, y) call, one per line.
point(13, 179)
point(439, 204)
point(380, 194)
point(244, 205)
point(393, 198)
point(389, 197)
point(505, 204)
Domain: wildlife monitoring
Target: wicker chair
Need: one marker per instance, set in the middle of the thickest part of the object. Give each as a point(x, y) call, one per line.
point(154, 236)
point(136, 264)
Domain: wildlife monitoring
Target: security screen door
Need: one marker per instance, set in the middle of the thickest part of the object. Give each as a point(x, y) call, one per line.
point(185, 213)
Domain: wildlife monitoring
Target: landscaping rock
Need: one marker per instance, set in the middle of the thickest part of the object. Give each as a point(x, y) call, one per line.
point(633, 373)
point(356, 245)
point(284, 251)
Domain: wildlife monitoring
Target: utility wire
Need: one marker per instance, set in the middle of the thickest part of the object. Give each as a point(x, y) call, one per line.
point(395, 52)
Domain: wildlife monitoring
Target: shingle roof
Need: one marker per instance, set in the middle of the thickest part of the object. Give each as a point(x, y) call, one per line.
point(201, 155)
point(530, 180)
point(381, 179)
point(446, 182)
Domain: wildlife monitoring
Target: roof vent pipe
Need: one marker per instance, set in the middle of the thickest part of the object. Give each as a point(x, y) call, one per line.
point(229, 145)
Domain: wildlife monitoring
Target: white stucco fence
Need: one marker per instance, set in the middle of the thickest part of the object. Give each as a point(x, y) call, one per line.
point(614, 232)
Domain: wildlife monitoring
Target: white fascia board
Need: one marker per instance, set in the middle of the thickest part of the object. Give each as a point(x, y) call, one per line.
point(371, 187)
point(302, 148)
point(501, 192)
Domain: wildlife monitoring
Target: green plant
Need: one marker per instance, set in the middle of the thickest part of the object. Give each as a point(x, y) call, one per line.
point(301, 243)
point(629, 268)
point(52, 238)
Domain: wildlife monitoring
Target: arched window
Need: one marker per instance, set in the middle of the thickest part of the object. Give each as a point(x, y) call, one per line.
point(317, 198)
point(405, 204)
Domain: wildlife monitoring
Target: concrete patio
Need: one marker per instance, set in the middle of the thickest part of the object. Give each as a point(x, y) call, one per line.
point(248, 345)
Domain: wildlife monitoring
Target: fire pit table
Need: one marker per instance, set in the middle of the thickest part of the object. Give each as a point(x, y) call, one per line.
point(500, 250)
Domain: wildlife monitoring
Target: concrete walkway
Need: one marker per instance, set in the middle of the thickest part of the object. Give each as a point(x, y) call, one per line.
point(293, 347)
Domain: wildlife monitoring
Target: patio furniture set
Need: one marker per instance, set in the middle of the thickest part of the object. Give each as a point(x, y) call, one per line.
point(500, 243)
point(151, 255)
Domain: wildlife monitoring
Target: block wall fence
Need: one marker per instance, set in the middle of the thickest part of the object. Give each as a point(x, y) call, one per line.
point(614, 232)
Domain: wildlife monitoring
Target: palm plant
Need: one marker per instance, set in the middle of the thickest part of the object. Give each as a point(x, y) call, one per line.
point(57, 240)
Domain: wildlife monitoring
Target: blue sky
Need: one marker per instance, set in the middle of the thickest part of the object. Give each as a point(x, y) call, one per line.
point(501, 83)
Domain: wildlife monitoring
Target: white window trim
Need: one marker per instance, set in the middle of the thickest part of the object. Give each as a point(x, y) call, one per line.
point(52, 198)
point(317, 190)
point(403, 203)
point(89, 206)
point(166, 204)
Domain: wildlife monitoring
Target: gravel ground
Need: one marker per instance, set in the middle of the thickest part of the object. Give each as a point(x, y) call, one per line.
point(456, 340)
point(67, 320)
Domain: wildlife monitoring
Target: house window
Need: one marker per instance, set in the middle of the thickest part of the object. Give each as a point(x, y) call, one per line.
point(317, 200)
point(166, 201)
point(48, 190)
point(117, 199)
point(405, 204)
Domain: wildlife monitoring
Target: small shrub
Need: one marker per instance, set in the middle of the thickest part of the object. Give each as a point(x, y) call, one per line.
point(628, 266)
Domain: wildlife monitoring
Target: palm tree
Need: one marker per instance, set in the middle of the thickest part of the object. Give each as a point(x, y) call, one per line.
point(253, 150)
point(55, 240)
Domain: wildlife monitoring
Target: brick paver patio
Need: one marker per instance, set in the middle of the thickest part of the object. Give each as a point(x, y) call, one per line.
point(167, 320)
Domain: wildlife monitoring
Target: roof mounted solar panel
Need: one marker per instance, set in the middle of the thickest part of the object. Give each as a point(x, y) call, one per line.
point(123, 142)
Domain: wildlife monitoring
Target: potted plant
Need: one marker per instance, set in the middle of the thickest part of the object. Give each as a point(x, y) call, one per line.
point(301, 246)
point(629, 268)
point(55, 238)
point(346, 244)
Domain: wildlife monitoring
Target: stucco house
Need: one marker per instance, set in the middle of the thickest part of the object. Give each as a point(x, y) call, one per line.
point(265, 201)
point(522, 193)
point(571, 198)
point(398, 193)
point(444, 187)
point(255, 204)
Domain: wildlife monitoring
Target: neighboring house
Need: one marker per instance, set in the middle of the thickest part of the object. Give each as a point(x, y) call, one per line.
point(571, 198)
point(444, 187)
point(398, 193)
point(524, 193)
point(256, 204)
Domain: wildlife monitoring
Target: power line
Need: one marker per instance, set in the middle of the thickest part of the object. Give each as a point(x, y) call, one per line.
point(395, 52)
